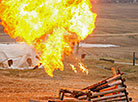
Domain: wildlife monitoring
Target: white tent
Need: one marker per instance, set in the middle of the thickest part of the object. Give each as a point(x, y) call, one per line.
point(19, 53)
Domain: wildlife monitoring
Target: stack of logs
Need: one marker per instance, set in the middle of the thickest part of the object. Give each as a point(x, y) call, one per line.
point(111, 89)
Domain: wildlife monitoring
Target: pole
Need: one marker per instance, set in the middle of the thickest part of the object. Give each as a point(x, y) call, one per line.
point(134, 58)
point(76, 48)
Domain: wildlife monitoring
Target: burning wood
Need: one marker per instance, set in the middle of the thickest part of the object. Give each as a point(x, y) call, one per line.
point(108, 97)
point(108, 90)
point(102, 82)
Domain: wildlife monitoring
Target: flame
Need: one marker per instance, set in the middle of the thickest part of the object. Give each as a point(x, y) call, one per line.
point(82, 68)
point(49, 26)
point(73, 68)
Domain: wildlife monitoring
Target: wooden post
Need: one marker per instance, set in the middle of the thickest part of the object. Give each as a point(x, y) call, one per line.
point(76, 48)
point(134, 58)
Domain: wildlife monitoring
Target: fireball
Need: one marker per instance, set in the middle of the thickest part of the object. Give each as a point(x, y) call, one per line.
point(48, 26)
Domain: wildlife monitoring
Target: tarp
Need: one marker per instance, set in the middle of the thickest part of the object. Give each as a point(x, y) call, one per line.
point(20, 53)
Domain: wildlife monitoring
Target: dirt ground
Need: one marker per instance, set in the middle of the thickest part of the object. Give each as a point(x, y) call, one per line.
point(23, 85)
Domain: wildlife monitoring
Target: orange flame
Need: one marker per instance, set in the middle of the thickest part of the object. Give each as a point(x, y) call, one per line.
point(82, 68)
point(73, 68)
point(48, 26)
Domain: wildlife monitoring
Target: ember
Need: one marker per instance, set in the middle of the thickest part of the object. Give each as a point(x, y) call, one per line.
point(48, 26)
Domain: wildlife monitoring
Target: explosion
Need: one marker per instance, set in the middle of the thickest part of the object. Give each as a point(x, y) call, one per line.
point(49, 26)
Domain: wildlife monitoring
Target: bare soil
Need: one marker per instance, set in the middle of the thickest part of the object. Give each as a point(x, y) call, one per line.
point(23, 85)
point(35, 84)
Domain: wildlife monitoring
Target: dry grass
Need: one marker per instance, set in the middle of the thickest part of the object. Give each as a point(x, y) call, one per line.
point(116, 18)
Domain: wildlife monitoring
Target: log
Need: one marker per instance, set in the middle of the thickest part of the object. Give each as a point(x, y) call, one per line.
point(116, 99)
point(108, 97)
point(36, 67)
point(118, 82)
point(103, 93)
point(92, 87)
point(109, 60)
point(107, 92)
point(73, 93)
point(126, 94)
point(68, 95)
point(114, 77)
point(72, 97)
point(114, 71)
